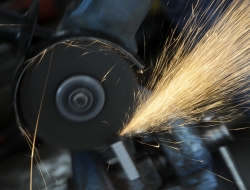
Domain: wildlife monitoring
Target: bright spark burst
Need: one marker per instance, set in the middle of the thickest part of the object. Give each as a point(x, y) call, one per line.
point(204, 78)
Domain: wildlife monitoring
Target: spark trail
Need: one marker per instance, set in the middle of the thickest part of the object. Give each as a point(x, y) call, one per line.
point(211, 76)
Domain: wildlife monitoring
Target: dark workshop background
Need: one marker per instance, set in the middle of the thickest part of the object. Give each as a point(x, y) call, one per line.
point(56, 162)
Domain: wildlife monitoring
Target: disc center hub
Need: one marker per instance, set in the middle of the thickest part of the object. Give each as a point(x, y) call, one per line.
point(80, 98)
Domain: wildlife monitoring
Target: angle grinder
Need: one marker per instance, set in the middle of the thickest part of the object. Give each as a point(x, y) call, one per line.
point(77, 88)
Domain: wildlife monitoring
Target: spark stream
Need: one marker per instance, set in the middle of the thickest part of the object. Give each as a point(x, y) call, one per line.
point(201, 78)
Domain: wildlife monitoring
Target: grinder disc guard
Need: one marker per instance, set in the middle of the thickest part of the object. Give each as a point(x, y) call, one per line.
point(89, 91)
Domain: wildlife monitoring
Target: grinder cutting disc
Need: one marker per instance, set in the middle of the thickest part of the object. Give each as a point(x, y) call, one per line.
point(85, 89)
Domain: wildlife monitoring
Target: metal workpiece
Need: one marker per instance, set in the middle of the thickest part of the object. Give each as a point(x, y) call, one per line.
point(120, 171)
point(119, 18)
point(215, 137)
point(225, 153)
point(192, 159)
point(125, 160)
point(149, 177)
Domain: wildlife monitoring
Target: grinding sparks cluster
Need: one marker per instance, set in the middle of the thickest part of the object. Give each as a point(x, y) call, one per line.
point(210, 76)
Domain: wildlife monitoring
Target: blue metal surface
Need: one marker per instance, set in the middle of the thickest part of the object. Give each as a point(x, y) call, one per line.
point(192, 162)
point(88, 172)
point(120, 19)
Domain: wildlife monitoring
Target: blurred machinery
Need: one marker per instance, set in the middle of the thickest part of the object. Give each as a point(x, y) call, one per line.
point(78, 83)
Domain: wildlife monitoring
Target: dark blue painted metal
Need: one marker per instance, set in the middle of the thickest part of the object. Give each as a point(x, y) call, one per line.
point(193, 161)
point(88, 172)
point(119, 18)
